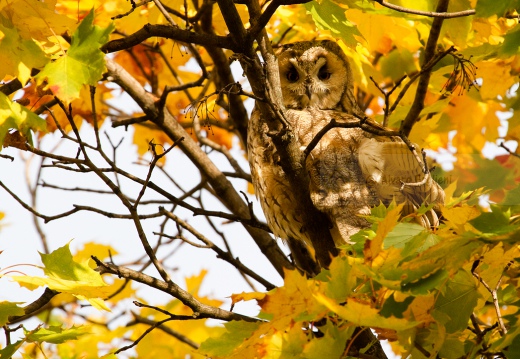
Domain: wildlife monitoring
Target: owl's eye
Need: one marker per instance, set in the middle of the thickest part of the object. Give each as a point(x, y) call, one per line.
point(292, 75)
point(323, 74)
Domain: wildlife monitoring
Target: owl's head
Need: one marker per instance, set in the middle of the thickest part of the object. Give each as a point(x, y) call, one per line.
point(315, 74)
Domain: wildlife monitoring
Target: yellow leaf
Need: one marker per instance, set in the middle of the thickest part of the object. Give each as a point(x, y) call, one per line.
point(101, 251)
point(384, 32)
point(375, 246)
point(469, 135)
point(95, 302)
point(38, 20)
point(459, 217)
point(449, 191)
point(422, 133)
point(62, 299)
point(235, 298)
point(364, 315)
point(62, 285)
point(420, 308)
point(497, 78)
point(294, 299)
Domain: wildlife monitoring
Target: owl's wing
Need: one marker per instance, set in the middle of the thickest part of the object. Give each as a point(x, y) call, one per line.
point(387, 165)
point(337, 184)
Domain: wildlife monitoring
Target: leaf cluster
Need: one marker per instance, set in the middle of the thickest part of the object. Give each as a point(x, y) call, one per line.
point(441, 74)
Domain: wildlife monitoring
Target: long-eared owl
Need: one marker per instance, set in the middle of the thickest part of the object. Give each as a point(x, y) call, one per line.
point(350, 169)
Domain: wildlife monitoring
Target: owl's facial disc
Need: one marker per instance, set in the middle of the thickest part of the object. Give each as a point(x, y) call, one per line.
point(312, 78)
point(307, 80)
point(314, 85)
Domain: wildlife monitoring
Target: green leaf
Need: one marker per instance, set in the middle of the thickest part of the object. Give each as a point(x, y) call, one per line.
point(397, 64)
point(331, 345)
point(391, 307)
point(56, 335)
point(401, 234)
point(494, 222)
point(236, 333)
point(420, 243)
point(457, 301)
point(486, 8)
point(67, 276)
point(432, 260)
point(341, 281)
point(457, 29)
point(11, 349)
point(511, 45)
point(427, 284)
point(330, 16)
point(14, 116)
point(83, 64)
point(490, 174)
point(8, 309)
point(452, 347)
point(512, 197)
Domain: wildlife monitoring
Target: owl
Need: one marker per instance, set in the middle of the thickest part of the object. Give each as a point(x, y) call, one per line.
point(350, 170)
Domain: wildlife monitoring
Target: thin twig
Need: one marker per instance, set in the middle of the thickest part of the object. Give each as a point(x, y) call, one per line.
point(221, 254)
point(502, 144)
point(501, 326)
point(146, 332)
point(443, 14)
point(200, 310)
point(167, 330)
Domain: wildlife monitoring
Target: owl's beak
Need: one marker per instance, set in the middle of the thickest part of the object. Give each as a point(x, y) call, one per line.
point(308, 90)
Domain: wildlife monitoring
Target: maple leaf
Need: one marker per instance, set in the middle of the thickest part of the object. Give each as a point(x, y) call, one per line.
point(375, 246)
point(328, 15)
point(67, 276)
point(8, 309)
point(83, 64)
point(36, 19)
point(18, 55)
point(56, 334)
point(292, 302)
point(16, 116)
point(364, 315)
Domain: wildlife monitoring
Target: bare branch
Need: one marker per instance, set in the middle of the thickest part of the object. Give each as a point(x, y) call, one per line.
point(134, 7)
point(441, 14)
point(259, 24)
point(493, 291)
point(7, 157)
point(502, 144)
point(200, 310)
point(422, 87)
point(425, 69)
point(220, 253)
point(142, 320)
point(146, 332)
point(35, 307)
point(169, 32)
point(223, 188)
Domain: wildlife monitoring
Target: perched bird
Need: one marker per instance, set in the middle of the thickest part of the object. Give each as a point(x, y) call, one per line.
point(350, 170)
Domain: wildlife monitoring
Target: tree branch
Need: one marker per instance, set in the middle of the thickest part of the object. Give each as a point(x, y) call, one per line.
point(142, 320)
point(223, 188)
point(200, 310)
point(265, 82)
point(220, 253)
point(439, 14)
point(168, 32)
point(422, 87)
point(35, 307)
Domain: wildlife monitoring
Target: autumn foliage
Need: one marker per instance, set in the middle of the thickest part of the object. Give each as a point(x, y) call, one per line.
point(181, 77)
